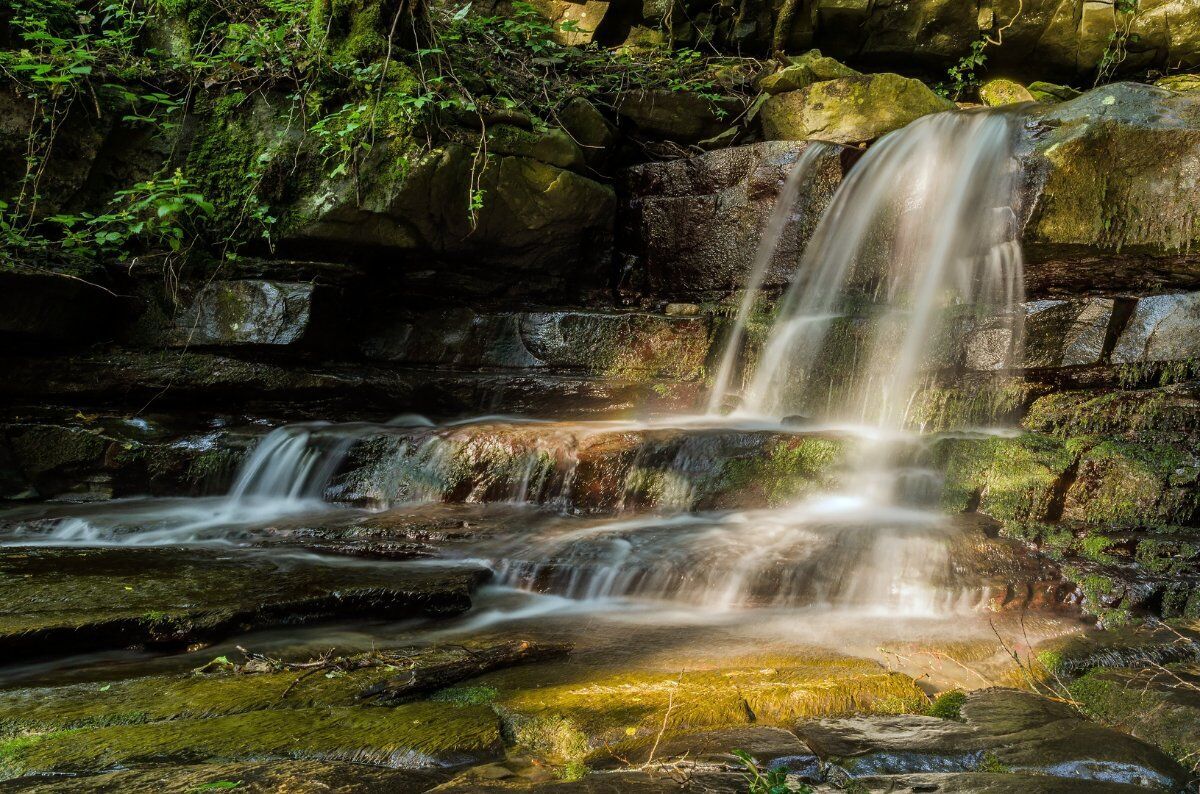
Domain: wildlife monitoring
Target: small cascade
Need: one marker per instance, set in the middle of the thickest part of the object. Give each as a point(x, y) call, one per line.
point(799, 177)
point(921, 236)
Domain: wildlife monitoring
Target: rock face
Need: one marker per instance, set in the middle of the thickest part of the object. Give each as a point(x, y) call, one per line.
point(1114, 182)
point(1040, 38)
point(692, 226)
point(1015, 731)
point(849, 109)
point(678, 115)
point(247, 312)
point(1162, 328)
point(532, 215)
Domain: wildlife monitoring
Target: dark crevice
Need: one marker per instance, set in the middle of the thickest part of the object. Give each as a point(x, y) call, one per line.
point(1062, 484)
point(1122, 311)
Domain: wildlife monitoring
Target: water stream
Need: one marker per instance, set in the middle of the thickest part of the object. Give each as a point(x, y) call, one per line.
point(919, 239)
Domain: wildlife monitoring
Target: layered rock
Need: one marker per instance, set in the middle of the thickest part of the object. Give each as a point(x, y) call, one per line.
point(693, 225)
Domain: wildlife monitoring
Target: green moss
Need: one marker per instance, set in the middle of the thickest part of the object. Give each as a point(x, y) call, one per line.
point(791, 469)
point(1011, 479)
point(615, 710)
point(467, 695)
point(412, 733)
point(948, 705)
point(993, 765)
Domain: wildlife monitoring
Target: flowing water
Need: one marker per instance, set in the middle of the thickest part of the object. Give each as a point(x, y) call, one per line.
point(919, 240)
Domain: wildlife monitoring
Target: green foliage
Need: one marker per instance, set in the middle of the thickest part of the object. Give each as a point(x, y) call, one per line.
point(948, 705)
point(963, 77)
point(774, 781)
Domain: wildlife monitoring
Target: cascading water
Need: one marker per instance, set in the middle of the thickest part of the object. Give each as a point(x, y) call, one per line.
point(921, 233)
point(798, 178)
point(919, 237)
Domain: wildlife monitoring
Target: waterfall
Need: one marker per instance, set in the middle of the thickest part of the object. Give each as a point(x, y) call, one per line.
point(798, 178)
point(921, 235)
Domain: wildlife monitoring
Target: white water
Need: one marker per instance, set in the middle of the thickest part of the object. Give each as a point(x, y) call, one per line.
point(923, 229)
point(799, 177)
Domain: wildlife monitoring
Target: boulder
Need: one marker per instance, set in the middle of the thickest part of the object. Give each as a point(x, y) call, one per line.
point(995, 93)
point(680, 116)
point(849, 109)
point(553, 147)
point(1112, 184)
point(513, 211)
point(692, 226)
point(1057, 333)
point(247, 312)
point(1179, 82)
point(581, 19)
point(1051, 92)
point(804, 70)
point(1001, 730)
point(1162, 328)
point(588, 127)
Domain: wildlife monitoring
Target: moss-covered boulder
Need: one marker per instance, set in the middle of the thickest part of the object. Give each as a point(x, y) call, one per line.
point(849, 109)
point(804, 70)
point(681, 116)
point(553, 146)
point(1179, 82)
point(589, 128)
point(515, 210)
point(995, 93)
point(1114, 179)
point(64, 599)
point(1052, 92)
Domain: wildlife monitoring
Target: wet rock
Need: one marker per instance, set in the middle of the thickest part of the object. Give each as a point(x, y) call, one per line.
point(249, 312)
point(1162, 328)
point(992, 783)
point(338, 777)
point(64, 599)
point(694, 224)
point(849, 109)
point(1015, 731)
point(599, 343)
point(995, 93)
point(1057, 333)
point(681, 116)
point(616, 782)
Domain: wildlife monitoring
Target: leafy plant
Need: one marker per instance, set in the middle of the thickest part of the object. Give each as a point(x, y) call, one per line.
point(773, 782)
point(963, 76)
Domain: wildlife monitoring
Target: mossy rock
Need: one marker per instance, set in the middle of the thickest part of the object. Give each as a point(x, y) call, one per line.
point(1160, 707)
point(1114, 175)
point(339, 777)
point(1130, 484)
point(995, 93)
point(64, 599)
point(553, 147)
point(564, 717)
point(1011, 479)
point(1052, 92)
point(849, 109)
point(804, 70)
point(681, 116)
point(1179, 82)
point(412, 736)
